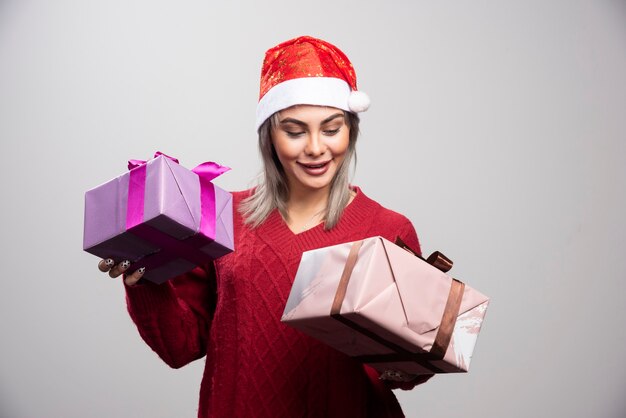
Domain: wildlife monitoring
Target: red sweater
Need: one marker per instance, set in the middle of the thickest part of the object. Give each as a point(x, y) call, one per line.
point(230, 312)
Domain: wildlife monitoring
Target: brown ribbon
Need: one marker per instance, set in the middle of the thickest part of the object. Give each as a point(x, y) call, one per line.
point(446, 327)
point(342, 287)
point(436, 259)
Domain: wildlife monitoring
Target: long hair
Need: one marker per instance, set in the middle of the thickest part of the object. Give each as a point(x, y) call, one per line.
point(272, 190)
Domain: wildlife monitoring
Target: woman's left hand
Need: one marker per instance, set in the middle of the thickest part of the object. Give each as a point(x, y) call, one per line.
point(398, 376)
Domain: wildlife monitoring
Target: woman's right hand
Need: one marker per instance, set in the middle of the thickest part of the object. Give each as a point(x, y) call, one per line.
point(115, 270)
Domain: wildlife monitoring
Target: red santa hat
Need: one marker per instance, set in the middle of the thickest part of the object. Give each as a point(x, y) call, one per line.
point(307, 70)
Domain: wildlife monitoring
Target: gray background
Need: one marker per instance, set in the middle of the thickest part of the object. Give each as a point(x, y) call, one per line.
point(497, 127)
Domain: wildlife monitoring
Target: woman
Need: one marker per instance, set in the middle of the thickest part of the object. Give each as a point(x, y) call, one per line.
point(230, 310)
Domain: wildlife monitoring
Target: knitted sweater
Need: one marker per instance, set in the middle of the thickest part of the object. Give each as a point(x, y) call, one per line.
point(230, 312)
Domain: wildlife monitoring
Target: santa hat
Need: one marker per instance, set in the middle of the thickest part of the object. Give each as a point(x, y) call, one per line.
point(307, 70)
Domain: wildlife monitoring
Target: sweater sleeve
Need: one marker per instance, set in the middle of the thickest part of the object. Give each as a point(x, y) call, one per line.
point(407, 233)
point(174, 318)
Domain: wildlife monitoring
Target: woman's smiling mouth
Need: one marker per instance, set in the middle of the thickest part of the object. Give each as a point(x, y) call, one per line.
point(315, 169)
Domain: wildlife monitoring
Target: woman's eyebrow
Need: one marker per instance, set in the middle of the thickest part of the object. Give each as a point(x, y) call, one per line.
point(303, 124)
point(292, 120)
point(332, 117)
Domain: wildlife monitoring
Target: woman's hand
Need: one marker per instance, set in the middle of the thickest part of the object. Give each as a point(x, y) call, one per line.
point(398, 376)
point(115, 270)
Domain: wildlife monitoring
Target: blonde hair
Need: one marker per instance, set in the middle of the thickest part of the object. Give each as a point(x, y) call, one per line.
point(272, 190)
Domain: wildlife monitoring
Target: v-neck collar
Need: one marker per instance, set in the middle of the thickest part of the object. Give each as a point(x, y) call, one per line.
point(279, 232)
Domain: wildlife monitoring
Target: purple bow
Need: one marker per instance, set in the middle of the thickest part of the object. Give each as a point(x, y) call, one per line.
point(207, 170)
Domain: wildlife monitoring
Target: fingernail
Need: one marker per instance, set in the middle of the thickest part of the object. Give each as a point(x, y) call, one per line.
point(125, 264)
point(142, 270)
point(109, 262)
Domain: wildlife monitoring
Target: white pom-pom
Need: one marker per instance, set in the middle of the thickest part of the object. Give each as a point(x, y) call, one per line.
point(358, 101)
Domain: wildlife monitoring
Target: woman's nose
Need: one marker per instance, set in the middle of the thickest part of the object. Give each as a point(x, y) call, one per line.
point(315, 145)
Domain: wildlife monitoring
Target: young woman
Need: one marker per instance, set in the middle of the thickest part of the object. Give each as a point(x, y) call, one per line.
point(230, 310)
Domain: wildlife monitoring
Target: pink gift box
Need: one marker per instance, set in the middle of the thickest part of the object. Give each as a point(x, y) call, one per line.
point(161, 216)
point(384, 306)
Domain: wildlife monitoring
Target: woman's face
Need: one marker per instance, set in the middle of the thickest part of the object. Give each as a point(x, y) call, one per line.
point(311, 143)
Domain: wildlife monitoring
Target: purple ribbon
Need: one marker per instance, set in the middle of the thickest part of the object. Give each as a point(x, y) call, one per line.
point(135, 208)
point(206, 172)
point(137, 189)
point(136, 163)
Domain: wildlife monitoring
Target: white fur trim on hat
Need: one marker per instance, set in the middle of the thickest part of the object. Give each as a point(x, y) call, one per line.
point(321, 91)
point(358, 101)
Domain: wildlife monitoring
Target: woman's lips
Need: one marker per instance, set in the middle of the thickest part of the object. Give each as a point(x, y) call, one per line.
point(315, 169)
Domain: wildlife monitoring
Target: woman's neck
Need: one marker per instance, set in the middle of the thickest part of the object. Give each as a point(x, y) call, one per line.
point(305, 209)
point(307, 201)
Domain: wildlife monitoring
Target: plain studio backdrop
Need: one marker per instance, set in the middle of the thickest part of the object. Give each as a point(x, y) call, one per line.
point(497, 127)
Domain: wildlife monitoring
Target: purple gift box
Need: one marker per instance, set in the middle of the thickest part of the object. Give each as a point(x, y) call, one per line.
point(160, 216)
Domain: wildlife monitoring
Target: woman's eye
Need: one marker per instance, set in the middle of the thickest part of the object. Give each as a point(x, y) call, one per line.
point(291, 134)
point(331, 132)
